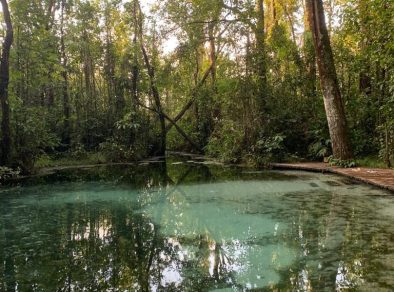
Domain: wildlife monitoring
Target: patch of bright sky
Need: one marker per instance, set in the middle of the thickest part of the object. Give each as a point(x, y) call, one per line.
point(169, 44)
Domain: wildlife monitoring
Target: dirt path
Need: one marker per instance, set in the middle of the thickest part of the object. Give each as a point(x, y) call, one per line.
point(383, 178)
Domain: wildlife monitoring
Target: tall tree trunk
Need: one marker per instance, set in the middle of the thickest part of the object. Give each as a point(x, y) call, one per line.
point(333, 103)
point(192, 100)
point(156, 96)
point(109, 69)
point(135, 73)
point(4, 80)
point(260, 51)
point(199, 61)
point(135, 58)
point(290, 18)
point(365, 80)
point(309, 56)
point(274, 16)
point(49, 90)
point(154, 90)
point(66, 99)
point(212, 50)
point(50, 15)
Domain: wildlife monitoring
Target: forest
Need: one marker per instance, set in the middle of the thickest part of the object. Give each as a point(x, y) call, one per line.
point(196, 145)
point(242, 81)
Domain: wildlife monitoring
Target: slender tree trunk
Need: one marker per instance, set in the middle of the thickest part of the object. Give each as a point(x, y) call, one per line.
point(180, 131)
point(247, 55)
point(198, 65)
point(290, 17)
point(66, 99)
point(109, 69)
point(260, 51)
point(365, 80)
point(310, 56)
point(4, 80)
point(156, 96)
point(387, 144)
point(135, 73)
point(212, 50)
point(333, 103)
point(155, 92)
point(50, 13)
point(260, 41)
point(274, 16)
point(199, 61)
point(48, 94)
point(135, 58)
point(192, 100)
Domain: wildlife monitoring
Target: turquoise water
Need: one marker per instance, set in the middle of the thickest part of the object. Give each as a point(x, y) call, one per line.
point(187, 226)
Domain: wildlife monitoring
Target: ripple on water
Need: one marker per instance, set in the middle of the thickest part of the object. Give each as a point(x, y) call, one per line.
point(219, 229)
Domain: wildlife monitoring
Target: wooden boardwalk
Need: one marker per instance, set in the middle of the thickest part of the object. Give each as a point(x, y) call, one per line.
point(383, 178)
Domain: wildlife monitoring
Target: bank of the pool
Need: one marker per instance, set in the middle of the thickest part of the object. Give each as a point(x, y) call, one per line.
point(383, 178)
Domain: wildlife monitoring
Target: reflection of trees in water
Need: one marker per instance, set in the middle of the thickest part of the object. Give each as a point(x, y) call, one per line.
point(100, 246)
point(7, 266)
point(96, 246)
point(335, 245)
point(213, 265)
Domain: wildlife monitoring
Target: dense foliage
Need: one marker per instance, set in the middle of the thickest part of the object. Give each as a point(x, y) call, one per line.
point(225, 81)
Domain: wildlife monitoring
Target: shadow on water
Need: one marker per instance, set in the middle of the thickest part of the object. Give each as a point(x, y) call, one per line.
point(180, 225)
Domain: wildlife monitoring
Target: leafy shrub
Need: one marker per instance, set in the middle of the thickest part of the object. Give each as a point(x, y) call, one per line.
point(8, 173)
point(33, 138)
point(226, 142)
point(128, 122)
point(43, 160)
point(320, 148)
point(386, 153)
point(341, 163)
point(116, 152)
point(269, 148)
point(79, 152)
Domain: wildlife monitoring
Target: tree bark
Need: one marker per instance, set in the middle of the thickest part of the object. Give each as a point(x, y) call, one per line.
point(260, 54)
point(179, 129)
point(309, 56)
point(156, 96)
point(365, 80)
point(274, 15)
point(135, 67)
point(333, 103)
point(212, 51)
point(4, 80)
point(109, 71)
point(50, 13)
point(192, 100)
point(154, 90)
point(260, 41)
point(290, 16)
point(66, 99)
point(49, 90)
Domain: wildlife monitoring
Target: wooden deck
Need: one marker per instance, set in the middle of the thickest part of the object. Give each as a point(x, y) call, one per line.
point(383, 178)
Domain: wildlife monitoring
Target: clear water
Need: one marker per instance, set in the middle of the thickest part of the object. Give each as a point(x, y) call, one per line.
point(186, 226)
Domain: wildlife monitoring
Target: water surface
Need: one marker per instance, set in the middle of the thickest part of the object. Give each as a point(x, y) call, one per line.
point(187, 226)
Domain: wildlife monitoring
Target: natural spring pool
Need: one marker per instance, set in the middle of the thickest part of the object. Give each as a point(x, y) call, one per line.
point(192, 226)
